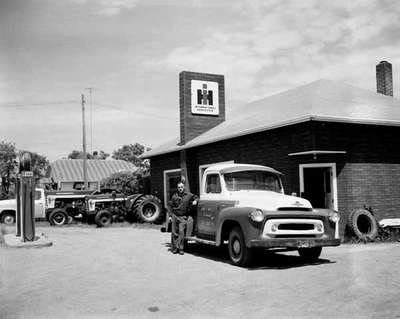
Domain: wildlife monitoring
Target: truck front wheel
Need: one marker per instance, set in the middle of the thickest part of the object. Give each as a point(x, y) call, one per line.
point(58, 217)
point(310, 254)
point(239, 254)
point(8, 218)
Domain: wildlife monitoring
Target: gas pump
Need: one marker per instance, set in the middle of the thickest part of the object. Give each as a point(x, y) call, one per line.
point(25, 217)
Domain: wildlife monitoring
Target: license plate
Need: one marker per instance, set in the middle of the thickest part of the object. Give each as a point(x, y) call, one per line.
point(304, 244)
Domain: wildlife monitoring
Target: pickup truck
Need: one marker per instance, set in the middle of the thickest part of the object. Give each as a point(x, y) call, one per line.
point(244, 206)
point(49, 205)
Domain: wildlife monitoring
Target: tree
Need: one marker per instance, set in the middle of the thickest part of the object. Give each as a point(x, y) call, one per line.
point(78, 154)
point(126, 182)
point(131, 153)
point(96, 155)
point(8, 166)
point(39, 164)
point(100, 155)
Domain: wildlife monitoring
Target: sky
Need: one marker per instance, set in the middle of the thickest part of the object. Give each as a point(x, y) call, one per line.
point(131, 52)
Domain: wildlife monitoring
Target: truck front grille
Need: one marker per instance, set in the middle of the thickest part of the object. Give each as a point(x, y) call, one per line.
point(293, 227)
point(295, 236)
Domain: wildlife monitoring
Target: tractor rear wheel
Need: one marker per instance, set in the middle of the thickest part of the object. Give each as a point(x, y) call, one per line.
point(147, 209)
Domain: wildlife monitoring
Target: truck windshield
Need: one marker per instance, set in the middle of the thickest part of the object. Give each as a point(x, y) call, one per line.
point(252, 180)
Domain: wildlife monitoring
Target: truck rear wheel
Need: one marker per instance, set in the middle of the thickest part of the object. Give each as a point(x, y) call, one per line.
point(58, 217)
point(103, 218)
point(148, 209)
point(310, 254)
point(239, 254)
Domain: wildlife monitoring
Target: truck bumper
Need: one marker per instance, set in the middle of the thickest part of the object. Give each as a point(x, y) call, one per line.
point(293, 243)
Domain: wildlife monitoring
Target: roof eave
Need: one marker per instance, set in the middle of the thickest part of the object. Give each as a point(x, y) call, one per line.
point(278, 125)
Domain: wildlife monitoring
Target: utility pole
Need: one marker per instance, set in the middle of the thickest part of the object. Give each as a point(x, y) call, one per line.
point(85, 183)
point(91, 119)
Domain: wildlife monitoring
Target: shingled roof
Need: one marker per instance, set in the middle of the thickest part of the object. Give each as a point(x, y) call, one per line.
point(71, 170)
point(322, 100)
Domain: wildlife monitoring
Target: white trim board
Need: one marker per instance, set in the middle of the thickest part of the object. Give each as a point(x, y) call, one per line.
point(334, 179)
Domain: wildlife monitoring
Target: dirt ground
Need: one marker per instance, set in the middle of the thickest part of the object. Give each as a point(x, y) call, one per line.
point(128, 272)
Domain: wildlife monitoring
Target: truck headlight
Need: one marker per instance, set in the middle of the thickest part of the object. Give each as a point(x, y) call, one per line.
point(257, 216)
point(334, 216)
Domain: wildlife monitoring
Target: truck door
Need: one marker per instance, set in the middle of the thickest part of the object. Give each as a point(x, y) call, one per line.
point(208, 207)
point(39, 203)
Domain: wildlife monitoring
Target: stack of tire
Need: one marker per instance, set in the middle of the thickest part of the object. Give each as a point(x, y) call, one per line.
point(362, 225)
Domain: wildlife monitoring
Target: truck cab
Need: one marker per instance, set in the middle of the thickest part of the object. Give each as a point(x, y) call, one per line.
point(8, 207)
point(245, 207)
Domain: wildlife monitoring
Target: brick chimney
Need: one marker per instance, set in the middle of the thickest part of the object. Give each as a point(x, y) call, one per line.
point(202, 103)
point(384, 80)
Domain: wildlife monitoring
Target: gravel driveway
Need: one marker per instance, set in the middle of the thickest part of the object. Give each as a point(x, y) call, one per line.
point(128, 272)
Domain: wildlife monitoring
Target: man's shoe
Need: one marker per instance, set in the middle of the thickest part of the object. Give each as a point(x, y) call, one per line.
point(174, 251)
point(181, 252)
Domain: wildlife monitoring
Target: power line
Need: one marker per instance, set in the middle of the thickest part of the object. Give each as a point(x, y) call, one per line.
point(49, 104)
point(139, 112)
point(17, 104)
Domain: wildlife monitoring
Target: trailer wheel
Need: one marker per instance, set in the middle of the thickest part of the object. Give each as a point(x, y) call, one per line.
point(310, 254)
point(58, 217)
point(103, 218)
point(148, 209)
point(363, 224)
point(239, 254)
point(8, 218)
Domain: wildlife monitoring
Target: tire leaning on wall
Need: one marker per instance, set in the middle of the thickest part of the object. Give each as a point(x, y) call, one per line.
point(363, 224)
point(148, 209)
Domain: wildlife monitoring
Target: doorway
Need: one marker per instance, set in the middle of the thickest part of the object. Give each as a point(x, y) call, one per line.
point(318, 184)
point(171, 179)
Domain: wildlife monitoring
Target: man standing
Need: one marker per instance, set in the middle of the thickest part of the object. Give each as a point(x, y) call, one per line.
point(182, 203)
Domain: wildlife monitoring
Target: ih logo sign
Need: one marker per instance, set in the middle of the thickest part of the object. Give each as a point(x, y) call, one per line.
point(204, 97)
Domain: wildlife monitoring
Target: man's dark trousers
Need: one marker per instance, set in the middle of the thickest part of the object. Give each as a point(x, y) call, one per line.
point(179, 224)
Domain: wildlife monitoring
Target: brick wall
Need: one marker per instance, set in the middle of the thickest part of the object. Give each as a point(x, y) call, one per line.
point(375, 185)
point(384, 79)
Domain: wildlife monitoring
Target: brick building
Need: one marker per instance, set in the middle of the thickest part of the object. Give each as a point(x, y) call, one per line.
point(337, 145)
